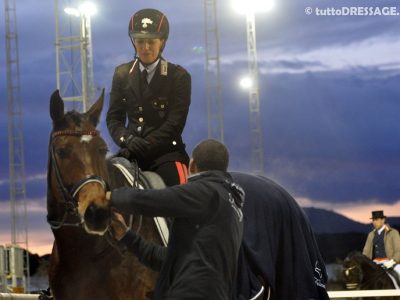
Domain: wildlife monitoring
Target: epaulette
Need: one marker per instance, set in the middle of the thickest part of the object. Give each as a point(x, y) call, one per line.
point(180, 68)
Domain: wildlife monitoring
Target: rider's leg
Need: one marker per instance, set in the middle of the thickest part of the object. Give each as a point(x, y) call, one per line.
point(397, 269)
point(172, 172)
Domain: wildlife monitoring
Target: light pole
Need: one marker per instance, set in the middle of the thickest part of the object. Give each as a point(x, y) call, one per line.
point(250, 7)
point(85, 11)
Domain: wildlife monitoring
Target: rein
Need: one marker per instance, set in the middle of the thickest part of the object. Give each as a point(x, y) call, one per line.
point(68, 195)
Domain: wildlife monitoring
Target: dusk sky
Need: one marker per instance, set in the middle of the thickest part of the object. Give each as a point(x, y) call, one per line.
point(329, 93)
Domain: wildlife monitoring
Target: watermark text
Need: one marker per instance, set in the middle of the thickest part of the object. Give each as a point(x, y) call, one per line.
point(353, 11)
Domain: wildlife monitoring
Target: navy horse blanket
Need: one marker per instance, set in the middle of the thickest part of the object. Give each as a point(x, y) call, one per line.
point(279, 248)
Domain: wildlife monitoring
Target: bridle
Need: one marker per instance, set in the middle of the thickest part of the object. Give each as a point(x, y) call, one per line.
point(69, 194)
point(360, 284)
point(354, 285)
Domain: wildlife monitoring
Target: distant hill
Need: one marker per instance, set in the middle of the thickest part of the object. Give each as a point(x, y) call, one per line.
point(338, 235)
point(326, 221)
point(394, 222)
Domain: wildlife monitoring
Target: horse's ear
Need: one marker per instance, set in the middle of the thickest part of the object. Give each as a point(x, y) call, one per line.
point(56, 106)
point(95, 111)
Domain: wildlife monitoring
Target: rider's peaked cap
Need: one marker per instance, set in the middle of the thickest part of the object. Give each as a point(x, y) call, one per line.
point(148, 24)
point(378, 214)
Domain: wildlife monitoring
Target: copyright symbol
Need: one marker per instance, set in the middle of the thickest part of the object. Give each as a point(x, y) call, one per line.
point(308, 10)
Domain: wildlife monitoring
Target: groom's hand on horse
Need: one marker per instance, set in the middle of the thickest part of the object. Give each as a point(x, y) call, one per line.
point(137, 146)
point(118, 226)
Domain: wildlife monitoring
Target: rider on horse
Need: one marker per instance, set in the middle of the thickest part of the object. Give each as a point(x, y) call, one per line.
point(383, 243)
point(149, 102)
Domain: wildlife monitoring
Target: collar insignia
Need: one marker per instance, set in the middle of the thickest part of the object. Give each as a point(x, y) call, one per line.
point(164, 68)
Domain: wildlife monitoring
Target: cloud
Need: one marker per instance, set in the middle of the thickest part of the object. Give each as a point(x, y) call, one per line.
point(40, 237)
point(335, 58)
point(31, 178)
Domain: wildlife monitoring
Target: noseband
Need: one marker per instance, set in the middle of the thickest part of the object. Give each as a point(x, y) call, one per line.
point(69, 195)
point(351, 285)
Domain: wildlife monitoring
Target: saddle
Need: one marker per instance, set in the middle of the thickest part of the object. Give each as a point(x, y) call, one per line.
point(394, 276)
point(143, 180)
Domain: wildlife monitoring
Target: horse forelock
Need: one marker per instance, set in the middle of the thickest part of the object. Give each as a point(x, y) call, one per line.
point(76, 117)
point(73, 120)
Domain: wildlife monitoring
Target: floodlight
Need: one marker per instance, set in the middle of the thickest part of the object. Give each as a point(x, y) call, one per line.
point(246, 83)
point(88, 8)
point(252, 6)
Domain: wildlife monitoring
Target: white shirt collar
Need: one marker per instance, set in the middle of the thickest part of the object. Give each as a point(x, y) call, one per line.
point(151, 69)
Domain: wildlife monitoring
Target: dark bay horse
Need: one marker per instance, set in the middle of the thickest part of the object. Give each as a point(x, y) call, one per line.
point(279, 250)
point(85, 264)
point(361, 273)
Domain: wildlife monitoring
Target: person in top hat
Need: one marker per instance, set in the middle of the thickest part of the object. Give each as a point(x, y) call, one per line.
point(383, 242)
point(149, 102)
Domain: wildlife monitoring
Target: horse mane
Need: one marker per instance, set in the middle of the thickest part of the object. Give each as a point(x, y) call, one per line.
point(361, 259)
point(354, 253)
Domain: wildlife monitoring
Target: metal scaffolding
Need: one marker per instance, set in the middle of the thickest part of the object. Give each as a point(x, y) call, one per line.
point(257, 148)
point(74, 55)
point(19, 226)
point(213, 82)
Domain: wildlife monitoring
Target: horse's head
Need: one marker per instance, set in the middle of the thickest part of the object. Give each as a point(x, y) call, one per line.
point(360, 272)
point(77, 168)
point(352, 272)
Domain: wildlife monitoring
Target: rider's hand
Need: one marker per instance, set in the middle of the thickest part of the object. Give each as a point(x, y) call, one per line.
point(138, 146)
point(389, 264)
point(124, 152)
point(118, 225)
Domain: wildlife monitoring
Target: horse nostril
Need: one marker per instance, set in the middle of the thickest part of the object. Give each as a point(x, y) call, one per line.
point(97, 218)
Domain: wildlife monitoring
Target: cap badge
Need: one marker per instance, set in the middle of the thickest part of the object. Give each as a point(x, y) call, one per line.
point(146, 21)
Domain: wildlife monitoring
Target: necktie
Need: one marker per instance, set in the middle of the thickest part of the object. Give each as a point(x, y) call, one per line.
point(144, 78)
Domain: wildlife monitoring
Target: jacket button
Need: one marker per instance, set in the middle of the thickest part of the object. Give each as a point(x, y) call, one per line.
point(162, 106)
point(174, 143)
point(139, 128)
point(123, 99)
point(140, 108)
point(140, 119)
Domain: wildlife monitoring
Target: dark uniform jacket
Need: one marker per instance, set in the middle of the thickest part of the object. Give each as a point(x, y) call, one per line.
point(157, 113)
point(201, 259)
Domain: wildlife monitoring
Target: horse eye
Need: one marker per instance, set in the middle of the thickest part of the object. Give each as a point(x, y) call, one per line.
point(62, 153)
point(103, 150)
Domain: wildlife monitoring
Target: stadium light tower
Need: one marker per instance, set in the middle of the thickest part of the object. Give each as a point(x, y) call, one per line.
point(213, 78)
point(250, 7)
point(17, 253)
point(69, 40)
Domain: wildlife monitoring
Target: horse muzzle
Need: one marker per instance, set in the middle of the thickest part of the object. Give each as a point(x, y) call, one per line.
point(96, 220)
